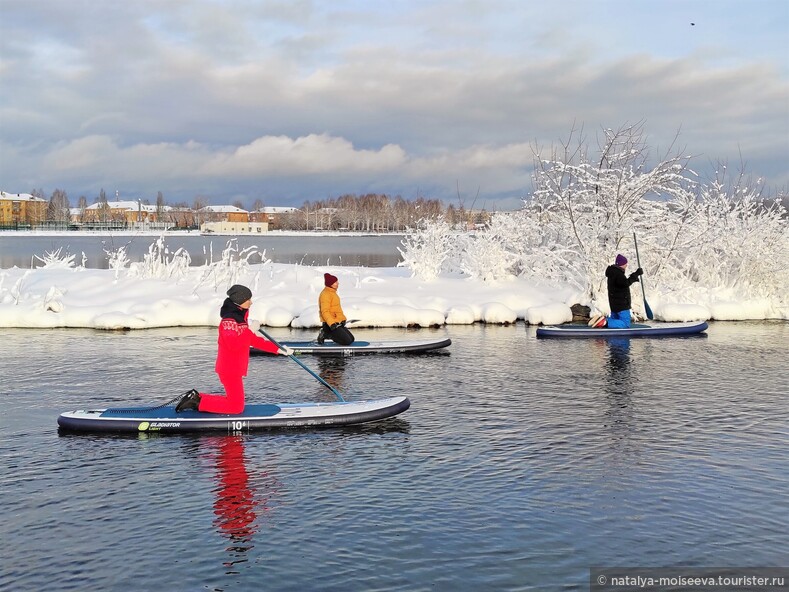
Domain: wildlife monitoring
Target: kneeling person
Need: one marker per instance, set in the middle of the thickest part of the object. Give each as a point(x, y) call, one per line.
point(332, 317)
point(232, 358)
point(618, 295)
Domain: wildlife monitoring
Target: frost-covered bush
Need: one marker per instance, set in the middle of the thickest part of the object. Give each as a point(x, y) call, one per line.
point(484, 256)
point(427, 247)
point(232, 265)
point(159, 263)
point(56, 260)
point(737, 240)
point(489, 255)
point(118, 259)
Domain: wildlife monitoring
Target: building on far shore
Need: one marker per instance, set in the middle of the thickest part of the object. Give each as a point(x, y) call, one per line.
point(230, 220)
point(21, 209)
point(126, 212)
point(273, 215)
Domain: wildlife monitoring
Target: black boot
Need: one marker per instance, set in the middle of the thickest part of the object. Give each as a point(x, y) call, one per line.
point(321, 336)
point(190, 401)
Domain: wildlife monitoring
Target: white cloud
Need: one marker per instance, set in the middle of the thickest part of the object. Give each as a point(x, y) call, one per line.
point(309, 155)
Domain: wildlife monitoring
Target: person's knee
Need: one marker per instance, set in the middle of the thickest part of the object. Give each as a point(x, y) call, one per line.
point(621, 320)
point(344, 337)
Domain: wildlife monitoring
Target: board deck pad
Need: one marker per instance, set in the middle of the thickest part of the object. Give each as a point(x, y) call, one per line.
point(265, 410)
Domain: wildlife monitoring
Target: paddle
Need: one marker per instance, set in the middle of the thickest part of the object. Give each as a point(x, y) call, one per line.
point(648, 310)
point(292, 357)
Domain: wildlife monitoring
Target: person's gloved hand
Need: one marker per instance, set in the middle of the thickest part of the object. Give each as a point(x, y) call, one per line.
point(334, 326)
point(639, 272)
point(284, 350)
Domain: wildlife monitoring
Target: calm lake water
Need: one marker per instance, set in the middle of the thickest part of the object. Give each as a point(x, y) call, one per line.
point(521, 463)
point(364, 251)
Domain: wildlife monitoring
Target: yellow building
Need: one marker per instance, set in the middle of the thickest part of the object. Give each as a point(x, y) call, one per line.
point(230, 220)
point(125, 212)
point(223, 214)
point(22, 208)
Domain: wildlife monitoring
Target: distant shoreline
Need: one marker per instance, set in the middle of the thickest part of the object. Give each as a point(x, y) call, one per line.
point(39, 233)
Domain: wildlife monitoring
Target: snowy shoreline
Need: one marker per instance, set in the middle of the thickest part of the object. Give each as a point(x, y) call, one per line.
point(286, 295)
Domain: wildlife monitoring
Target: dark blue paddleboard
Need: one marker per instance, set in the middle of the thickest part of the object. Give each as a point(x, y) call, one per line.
point(363, 347)
point(635, 330)
point(254, 417)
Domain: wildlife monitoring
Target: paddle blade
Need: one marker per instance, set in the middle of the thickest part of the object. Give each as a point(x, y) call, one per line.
point(648, 310)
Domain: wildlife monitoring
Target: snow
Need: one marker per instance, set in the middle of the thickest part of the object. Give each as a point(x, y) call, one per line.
point(164, 291)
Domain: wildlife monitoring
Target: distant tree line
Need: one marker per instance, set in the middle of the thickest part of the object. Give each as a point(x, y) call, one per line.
point(370, 212)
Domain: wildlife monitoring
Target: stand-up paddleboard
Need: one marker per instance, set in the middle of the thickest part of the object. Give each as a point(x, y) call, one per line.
point(162, 420)
point(635, 330)
point(363, 347)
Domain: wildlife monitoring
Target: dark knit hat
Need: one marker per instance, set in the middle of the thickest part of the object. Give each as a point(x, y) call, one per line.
point(620, 260)
point(329, 279)
point(239, 294)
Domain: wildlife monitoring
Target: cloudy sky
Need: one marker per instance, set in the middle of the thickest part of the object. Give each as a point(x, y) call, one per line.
point(290, 100)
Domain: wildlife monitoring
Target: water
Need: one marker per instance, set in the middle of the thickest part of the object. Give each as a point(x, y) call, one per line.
point(521, 463)
point(364, 251)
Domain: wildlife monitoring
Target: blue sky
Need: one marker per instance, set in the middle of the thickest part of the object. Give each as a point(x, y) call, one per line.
point(291, 100)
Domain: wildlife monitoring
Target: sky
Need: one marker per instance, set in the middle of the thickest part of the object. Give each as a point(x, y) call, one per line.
point(292, 100)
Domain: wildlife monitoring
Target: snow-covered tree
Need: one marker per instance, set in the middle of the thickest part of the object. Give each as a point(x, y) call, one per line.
point(587, 205)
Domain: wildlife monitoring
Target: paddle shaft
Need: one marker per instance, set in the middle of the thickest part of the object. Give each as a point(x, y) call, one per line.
point(647, 309)
point(299, 362)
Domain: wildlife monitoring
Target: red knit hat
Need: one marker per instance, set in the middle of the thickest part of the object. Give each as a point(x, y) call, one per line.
point(329, 279)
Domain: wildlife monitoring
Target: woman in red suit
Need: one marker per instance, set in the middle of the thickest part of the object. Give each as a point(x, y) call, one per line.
point(232, 359)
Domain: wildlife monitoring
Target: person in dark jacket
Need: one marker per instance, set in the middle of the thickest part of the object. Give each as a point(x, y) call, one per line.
point(618, 295)
point(232, 358)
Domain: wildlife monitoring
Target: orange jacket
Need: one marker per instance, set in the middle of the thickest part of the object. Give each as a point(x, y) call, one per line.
point(329, 305)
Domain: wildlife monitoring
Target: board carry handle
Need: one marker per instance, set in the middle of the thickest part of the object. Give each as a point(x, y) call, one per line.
point(300, 363)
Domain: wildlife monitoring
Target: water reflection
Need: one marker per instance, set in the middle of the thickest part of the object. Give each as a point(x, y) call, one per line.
point(332, 370)
point(619, 385)
point(620, 377)
point(239, 507)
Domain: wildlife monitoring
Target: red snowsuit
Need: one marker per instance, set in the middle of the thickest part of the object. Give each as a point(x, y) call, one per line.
point(232, 359)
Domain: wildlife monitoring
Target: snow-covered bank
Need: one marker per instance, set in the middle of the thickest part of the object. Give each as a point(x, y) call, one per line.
point(68, 296)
